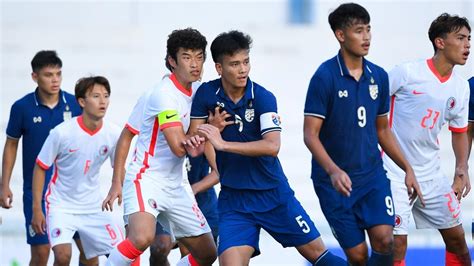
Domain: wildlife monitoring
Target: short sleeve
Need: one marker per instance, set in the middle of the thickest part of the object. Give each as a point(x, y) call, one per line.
point(471, 100)
point(459, 122)
point(384, 94)
point(15, 122)
point(267, 111)
point(164, 106)
point(199, 108)
point(50, 150)
point(135, 119)
point(317, 97)
point(397, 79)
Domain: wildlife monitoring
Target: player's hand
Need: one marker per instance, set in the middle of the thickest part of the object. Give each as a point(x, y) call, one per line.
point(461, 183)
point(115, 192)
point(193, 141)
point(341, 182)
point(38, 222)
point(6, 197)
point(218, 118)
point(413, 188)
point(213, 135)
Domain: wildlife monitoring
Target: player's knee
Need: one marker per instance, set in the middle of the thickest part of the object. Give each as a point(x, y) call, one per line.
point(62, 258)
point(141, 241)
point(455, 242)
point(357, 259)
point(39, 255)
point(39, 260)
point(383, 244)
point(159, 253)
point(206, 257)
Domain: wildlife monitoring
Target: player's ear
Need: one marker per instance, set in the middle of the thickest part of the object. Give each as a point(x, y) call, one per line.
point(439, 43)
point(82, 102)
point(34, 77)
point(172, 62)
point(218, 68)
point(339, 35)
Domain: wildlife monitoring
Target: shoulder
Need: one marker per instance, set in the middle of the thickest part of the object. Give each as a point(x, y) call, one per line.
point(376, 69)
point(25, 101)
point(328, 68)
point(210, 87)
point(260, 92)
point(112, 128)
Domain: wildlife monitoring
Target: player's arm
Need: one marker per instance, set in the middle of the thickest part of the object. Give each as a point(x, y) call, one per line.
point(38, 221)
point(470, 136)
point(9, 158)
point(121, 153)
point(390, 146)
point(461, 184)
point(339, 179)
point(213, 177)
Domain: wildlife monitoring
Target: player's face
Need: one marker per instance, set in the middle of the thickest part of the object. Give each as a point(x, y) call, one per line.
point(355, 39)
point(188, 67)
point(456, 46)
point(48, 79)
point(234, 70)
point(96, 102)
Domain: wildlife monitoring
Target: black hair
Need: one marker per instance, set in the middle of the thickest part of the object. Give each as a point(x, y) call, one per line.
point(347, 15)
point(83, 85)
point(445, 24)
point(44, 59)
point(188, 38)
point(228, 43)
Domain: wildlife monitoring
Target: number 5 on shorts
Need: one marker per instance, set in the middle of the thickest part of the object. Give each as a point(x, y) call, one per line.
point(303, 224)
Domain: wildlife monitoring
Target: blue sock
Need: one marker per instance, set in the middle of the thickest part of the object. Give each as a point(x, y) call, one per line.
point(379, 259)
point(327, 258)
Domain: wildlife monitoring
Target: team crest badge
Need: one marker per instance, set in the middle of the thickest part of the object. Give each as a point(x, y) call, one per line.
point(56, 232)
point(276, 119)
point(374, 91)
point(152, 203)
point(451, 103)
point(249, 115)
point(103, 150)
point(398, 220)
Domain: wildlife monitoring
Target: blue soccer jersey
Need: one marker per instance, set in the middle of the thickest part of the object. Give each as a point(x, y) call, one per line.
point(254, 115)
point(350, 109)
point(32, 120)
point(471, 100)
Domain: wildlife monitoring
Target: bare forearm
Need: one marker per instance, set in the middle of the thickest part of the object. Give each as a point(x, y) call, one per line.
point(390, 146)
point(461, 149)
point(313, 143)
point(206, 183)
point(38, 184)
point(254, 148)
point(9, 158)
point(121, 153)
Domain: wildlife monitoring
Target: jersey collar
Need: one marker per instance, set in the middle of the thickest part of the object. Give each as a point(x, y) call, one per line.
point(80, 121)
point(181, 87)
point(248, 96)
point(62, 98)
point(433, 69)
point(345, 72)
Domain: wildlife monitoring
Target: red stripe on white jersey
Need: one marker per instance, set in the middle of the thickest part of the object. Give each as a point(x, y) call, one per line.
point(52, 182)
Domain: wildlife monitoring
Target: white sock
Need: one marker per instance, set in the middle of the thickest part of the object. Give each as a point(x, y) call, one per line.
point(117, 259)
point(184, 261)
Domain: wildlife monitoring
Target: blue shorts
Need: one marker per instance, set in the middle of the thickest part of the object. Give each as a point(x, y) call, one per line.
point(31, 237)
point(207, 202)
point(369, 205)
point(288, 223)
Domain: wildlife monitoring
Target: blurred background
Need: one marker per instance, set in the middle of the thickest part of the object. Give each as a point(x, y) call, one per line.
point(125, 41)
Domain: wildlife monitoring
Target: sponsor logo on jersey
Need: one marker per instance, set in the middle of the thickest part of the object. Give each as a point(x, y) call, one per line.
point(451, 103)
point(374, 91)
point(343, 93)
point(417, 92)
point(56, 232)
point(37, 119)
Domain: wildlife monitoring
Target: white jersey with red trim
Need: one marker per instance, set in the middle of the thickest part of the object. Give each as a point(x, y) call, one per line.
point(77, 155)
point(167, 105)
point(422, 102)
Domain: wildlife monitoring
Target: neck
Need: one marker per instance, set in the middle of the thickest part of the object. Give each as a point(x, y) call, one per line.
point(184, 83)
point(353, 62)
point(234, 93)
point(442, 65)
point(90, 122)
point(50, 100)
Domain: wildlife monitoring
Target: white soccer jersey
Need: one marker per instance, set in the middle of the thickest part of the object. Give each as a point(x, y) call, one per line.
point(422, 102)
point(166, 106)
point(77, 155)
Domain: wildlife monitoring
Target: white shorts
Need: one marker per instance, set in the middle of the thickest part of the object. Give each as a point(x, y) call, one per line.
point(442, 209)
point(98, 232)
point(175, 208)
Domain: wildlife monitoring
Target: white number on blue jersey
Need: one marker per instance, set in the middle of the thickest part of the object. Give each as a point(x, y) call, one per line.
point(361, 115)
point(389, 204)
point(303, 224)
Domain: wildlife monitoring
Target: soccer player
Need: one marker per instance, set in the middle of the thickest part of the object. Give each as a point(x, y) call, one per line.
point(198, 175)
point(426, 94)
point(32, 117)
point(255, 192)
point(345, 119)
point(153, 183)
point(77, 149)
point(471, 129)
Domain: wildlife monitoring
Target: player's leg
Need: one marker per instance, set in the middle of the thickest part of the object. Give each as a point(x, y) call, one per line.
point(39, 244)
point(202, 249)
point(83, 261)
point(376, 212)
point(161, 247)
point(403, 211)
point(457, 252)
point(62, 254)
point(339, 213)
point(290, 225)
